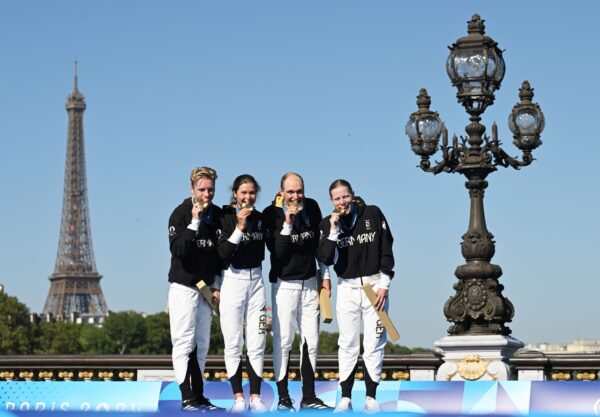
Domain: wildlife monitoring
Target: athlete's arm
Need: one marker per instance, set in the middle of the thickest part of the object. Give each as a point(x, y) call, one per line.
point(181, 236)
point(229, 234)
point(386, 255)
point(327, 243)
point(278, 235)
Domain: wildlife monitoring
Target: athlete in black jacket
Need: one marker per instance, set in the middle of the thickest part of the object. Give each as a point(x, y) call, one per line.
point(356, 239)
point(293, 252)
point(193, 227)
point(241, 247)
point(294, 223)
point(249, 251)
point(194, 252)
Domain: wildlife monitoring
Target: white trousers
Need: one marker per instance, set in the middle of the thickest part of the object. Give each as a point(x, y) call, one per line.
point(352, 304)
point(243, 305)
point(295, 306)
point(190, 317)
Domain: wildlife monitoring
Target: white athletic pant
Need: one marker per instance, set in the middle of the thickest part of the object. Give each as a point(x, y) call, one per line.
point(190, 317)
point(352, 304)
point(295, 306)
point(243, 304)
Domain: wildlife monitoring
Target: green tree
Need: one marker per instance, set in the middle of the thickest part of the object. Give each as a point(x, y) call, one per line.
point(127, 329)
point(328, 343)
point(392, 348)
point(158, 336)
point(16, 331)
point(58, 338)
point(94, 341)
point(421, 350)
point(217, 344)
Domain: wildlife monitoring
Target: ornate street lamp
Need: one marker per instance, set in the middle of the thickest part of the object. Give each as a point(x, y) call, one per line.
point(476, 68)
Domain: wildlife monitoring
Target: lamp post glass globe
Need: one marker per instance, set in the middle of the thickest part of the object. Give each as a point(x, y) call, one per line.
point(526, 121)
point(424, 127)
point(424, 133)
point(475, 67)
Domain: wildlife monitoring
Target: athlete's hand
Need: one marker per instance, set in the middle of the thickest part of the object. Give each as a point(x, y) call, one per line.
point(216, 298)
point(382, 295)
point(291, 213)
point(326, 285)
point(242, 216)
point(334, 221)
point(197, 210)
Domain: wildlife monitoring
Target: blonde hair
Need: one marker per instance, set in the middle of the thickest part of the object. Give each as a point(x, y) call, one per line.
point(202, 172)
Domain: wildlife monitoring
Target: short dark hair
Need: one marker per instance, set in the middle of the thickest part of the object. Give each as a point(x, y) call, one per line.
point(340, 183)
point(244, 179)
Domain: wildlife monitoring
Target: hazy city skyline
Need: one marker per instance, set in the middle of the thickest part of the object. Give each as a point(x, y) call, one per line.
point(322, 88)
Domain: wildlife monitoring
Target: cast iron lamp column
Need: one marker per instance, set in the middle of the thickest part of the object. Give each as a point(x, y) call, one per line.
point(476, 68)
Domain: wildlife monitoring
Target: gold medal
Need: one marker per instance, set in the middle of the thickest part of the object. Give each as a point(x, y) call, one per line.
point(340, 210)
point(247, 205)
point(195, 201)
point(298, 205)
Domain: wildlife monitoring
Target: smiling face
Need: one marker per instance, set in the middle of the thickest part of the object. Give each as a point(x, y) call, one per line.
point(341, 197)
point(292, 190)
point(246, 193)
point(203, 190)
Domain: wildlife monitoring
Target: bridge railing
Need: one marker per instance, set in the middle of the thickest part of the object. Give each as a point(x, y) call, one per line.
point(419, 366)
point(528, 366)
point(538, 366)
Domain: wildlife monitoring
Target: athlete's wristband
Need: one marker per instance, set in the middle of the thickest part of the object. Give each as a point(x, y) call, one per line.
point(286, 230)
point(236, 236)
point(384, 281)
point(194, 225)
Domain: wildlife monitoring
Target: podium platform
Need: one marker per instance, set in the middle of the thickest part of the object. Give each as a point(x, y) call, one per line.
point(407, 398)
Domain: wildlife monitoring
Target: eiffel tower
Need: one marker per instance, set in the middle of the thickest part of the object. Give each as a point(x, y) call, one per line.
point(75, 294)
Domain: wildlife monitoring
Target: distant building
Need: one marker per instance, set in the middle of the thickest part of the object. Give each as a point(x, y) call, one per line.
point(75, 294)
point(578, 346)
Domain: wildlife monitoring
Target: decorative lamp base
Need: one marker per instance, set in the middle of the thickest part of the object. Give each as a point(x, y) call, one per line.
point(476, 358)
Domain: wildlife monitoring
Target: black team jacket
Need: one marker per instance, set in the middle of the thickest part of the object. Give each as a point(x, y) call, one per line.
point(293, 257)
point(250, 251)
point(364, 248)
point(194, 255)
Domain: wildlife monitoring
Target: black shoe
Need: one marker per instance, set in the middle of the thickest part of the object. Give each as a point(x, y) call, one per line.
point(201, 404)
point(205, 404)
point(286, 404)
point(190, 405)
point(314, 404)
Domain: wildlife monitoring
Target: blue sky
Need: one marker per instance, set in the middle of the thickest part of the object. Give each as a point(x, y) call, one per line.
point(319, 87)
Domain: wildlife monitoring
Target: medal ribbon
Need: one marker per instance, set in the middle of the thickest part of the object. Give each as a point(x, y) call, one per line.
point(344, 227)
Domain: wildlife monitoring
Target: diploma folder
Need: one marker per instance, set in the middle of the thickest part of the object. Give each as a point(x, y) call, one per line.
point(207, 294)
point(325, 306)
point(385, 319)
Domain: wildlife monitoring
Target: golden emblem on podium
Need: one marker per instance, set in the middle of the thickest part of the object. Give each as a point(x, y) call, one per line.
point(472, 367)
